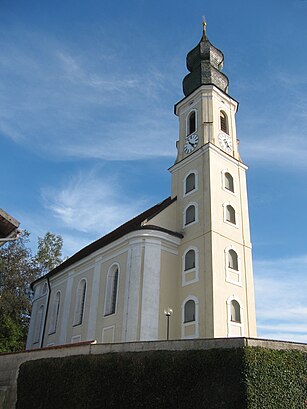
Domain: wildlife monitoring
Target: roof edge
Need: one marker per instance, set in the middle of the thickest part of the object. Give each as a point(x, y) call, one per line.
point(131, 225)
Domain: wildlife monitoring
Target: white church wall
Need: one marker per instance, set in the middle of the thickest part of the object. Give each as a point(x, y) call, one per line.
point(169, 287)
point(132, 290)
point(166, 218)
point(150, 290)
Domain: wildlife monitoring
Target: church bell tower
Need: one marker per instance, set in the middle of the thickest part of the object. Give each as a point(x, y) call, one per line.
point(209, 181)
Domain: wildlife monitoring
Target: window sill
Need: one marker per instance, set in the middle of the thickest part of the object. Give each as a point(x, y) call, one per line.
point(190, 192)
point(231, 224)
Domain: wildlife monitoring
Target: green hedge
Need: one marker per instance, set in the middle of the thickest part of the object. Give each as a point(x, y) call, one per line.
point(275, 379)
point(247, 378)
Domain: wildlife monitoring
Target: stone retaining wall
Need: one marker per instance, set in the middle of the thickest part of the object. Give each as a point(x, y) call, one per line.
point(10, 363)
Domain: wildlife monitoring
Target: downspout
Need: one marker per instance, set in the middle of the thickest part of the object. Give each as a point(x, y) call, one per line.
point(46, 314)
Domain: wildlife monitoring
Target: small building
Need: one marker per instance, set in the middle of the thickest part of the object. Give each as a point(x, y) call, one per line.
point(186, 261)
point(9, 227)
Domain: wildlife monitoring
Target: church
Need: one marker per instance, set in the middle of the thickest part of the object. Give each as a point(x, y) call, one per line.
point(181, 269)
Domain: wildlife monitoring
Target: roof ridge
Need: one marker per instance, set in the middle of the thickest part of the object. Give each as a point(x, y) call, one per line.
point(127, 227)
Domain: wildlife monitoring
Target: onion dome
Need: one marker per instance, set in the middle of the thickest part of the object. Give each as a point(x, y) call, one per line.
point(205, 63)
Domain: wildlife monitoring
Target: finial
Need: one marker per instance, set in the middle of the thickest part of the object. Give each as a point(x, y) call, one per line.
point(204, 26)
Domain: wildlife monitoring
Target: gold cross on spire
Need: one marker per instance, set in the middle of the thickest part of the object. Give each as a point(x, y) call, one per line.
point(204, 24)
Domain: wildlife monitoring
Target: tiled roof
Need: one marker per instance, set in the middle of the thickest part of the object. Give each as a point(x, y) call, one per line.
point(131, 225)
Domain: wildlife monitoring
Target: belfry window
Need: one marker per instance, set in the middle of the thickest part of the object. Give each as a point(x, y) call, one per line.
point(190, 266)
point(228, 182)
point(224, 122)
point(189, 311)
point(230, 214)
point(190, 183)
point(80, 302)
point(111, 291)
point(235, 314)
point(190, 214)
point(233, 260)
point(191, 125)
point(189, 260)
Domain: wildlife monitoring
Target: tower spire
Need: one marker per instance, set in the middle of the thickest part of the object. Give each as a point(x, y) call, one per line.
point(204, 63)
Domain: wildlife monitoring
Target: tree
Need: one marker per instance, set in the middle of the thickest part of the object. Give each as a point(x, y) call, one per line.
point(49, 252)
point(18, 269)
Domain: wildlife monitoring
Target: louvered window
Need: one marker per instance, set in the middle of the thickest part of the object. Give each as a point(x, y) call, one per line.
point(223, 122)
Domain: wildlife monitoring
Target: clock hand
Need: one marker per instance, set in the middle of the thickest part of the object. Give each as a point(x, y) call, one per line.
point(226, 143)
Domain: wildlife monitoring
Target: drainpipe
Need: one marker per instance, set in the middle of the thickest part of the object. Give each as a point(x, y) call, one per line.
point(46, 314)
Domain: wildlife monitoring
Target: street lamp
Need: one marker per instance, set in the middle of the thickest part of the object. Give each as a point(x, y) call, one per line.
point(168, 312)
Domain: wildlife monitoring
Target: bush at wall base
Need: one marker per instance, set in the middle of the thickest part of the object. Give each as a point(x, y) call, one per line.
point(242, 378)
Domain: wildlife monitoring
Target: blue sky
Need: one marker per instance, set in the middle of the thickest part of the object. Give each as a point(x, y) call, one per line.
point(87, 130)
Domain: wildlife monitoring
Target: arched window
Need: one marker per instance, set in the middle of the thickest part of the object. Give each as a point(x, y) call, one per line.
point(223, 122)
point(190, 266)
point(38, 324)
point(235, 313)
point(233, 260)
point(230, 214)
point(190, 183)
point(189, 311)
point(189, 260)
point(228, 182)
point(190, 214)
point(232, 267)
point(44, 289)
point(191, 124)
point(55, 313)
point(111, 290)
point(80, 302)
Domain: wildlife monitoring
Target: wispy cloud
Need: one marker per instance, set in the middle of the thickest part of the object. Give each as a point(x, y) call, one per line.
point(75, 72)
point(60, 103)
point(280, 150)
point(90, 204)
point(281, 298)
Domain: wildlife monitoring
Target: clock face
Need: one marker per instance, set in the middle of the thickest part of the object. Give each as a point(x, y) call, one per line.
point(225, 142)
point(191, 142)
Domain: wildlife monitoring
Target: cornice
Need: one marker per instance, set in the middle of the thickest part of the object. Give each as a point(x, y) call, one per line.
point(205, 89)
point(209, 146)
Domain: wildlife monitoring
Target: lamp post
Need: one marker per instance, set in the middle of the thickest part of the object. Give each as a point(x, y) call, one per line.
point(168, 312)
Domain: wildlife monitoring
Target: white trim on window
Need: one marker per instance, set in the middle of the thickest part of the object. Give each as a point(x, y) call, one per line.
point(196, 214)
point(187, 125)
point(234, 328)
point(233, 276)
point(111, 290)
point(55, 313)
point(196, 183)
point(236, 224)
point(190, 329)
point(80, 302)
point(224, 123)
point(39, 324)
point(44, 289)
point(191, 271)
point(223, 174)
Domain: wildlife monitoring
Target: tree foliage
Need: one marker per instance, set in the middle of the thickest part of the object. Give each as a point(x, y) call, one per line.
point(18, 269)
point(49, 252)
